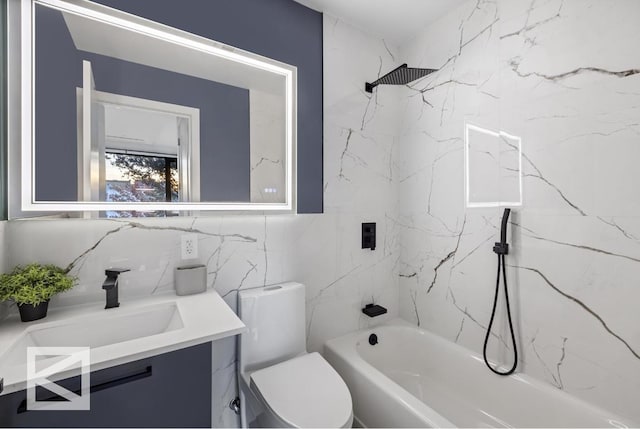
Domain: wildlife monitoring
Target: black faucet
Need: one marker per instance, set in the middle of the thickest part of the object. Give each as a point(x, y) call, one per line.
point(111, 286)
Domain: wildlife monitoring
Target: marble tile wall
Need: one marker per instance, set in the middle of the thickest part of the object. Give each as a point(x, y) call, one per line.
point(322, 251)
point(564, 76)
point(543, 70)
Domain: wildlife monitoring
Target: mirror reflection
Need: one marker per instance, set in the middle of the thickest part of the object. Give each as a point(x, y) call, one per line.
point(123, 117)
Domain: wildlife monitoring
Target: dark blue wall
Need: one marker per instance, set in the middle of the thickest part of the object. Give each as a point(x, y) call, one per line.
point(280, 29)
point(58, 73)
point(224, 114)
point(225, 167)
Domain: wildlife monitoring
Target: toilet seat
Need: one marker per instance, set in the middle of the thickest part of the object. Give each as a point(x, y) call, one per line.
point(304, 392)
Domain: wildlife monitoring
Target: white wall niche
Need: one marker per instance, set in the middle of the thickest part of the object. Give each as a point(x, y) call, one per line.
point(493, 168)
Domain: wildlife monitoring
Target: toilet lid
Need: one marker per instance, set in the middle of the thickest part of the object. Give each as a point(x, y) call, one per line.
point(305, 392)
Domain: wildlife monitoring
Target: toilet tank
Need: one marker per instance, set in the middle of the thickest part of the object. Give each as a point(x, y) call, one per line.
point(275, 318)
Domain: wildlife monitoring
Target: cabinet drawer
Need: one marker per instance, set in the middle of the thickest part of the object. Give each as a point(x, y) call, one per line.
point(168, 390)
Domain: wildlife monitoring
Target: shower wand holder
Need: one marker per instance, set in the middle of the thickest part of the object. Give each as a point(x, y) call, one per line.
point(501, 248)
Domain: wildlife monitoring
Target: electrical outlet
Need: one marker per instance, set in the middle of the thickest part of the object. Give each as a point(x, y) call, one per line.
point(189, 246)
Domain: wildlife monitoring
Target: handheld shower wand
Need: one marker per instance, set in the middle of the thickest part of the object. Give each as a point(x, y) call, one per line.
point(503, 229)
point(501, 249)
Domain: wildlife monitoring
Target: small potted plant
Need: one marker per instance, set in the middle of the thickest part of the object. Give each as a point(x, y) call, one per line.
point(31, 286)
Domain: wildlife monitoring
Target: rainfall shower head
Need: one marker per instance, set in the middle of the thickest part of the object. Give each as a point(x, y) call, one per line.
point(399, 76)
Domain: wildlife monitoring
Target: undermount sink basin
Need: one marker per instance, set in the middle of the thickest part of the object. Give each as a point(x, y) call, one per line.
point(139, 329)
point(109, 328)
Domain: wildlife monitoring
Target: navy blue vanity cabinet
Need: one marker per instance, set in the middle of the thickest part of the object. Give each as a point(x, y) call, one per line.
point(168, 390)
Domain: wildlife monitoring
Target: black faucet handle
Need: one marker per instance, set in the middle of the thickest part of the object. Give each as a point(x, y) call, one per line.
point(114, 272)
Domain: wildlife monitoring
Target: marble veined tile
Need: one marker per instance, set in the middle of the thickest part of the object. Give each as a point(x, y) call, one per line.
point(563, 76)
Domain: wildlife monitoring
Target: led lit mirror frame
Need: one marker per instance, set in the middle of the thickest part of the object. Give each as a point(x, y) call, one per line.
point(26, 176)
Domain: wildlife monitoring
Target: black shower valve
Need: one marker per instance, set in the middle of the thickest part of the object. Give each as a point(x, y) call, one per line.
point(369, 235)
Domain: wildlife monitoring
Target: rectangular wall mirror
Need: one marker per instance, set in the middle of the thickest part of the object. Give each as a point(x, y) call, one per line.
point(127, 117)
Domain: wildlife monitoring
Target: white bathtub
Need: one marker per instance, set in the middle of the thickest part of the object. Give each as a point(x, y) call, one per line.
point(413, 378)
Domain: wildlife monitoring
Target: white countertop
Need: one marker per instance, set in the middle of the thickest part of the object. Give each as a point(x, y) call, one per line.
point(205, 317)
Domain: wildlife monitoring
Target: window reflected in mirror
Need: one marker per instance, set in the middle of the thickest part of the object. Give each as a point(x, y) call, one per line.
point(140, 178)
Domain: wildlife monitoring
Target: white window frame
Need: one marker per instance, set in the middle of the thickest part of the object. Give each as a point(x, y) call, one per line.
point(188, 153)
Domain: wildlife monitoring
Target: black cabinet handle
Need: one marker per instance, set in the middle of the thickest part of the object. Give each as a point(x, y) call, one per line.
point(133, 376)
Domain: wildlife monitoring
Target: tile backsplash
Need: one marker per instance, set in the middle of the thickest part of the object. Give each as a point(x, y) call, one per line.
point(321, 251)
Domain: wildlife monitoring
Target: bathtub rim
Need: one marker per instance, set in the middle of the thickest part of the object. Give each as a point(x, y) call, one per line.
point(345, 347)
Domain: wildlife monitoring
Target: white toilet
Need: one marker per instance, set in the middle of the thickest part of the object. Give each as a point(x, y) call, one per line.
point(281, 385)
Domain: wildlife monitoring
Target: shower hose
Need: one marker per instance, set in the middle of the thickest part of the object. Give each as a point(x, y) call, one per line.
point(501, 249)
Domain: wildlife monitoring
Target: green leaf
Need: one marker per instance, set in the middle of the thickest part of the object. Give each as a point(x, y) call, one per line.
point(34, 283)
